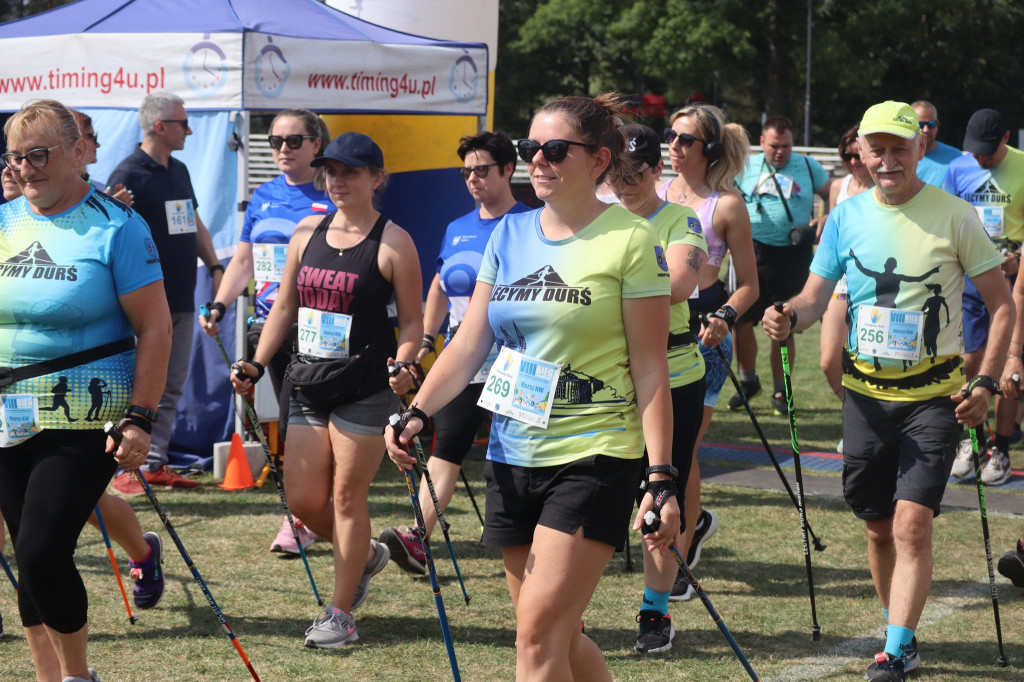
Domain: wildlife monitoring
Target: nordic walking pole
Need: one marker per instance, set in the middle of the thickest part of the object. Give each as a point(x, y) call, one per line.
point(801, 502)
point(469, 491)
point(819, 546)
point(115, 434)
point(113, 562)
point(398, 424)
point(651, 523)
point(10, 574)
point(1002, 661)
point(254, 422)
point(422, 459)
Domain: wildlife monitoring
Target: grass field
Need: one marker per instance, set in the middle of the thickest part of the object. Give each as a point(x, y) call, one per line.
point(753, 570)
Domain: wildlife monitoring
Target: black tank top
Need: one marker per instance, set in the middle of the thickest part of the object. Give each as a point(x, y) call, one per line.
point(350, 282)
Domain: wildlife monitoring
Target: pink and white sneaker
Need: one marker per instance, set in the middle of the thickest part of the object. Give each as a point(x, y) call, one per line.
point(285, 540)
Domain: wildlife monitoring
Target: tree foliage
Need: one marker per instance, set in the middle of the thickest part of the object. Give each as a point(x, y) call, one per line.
point(750, 57)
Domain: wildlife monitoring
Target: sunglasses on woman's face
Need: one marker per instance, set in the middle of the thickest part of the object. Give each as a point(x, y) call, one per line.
point(554, 151)
point(847, 156)
point(686, 140)
point(481, 170)
point(293, 141)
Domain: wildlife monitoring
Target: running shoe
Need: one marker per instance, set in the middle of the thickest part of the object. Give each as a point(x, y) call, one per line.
point(1011, 565)
point(911, 660)
point(381, 554)
point(148, 575)
point(779, 406)
point(656, 632)
point(750, 388)
point(996, 471)
point(285, 540)
point(681, 589)
point(165, 478)
point(331, 629)
point(127, 485)
point(93, 677)
point(963, 465)
point(707, 525)
point(406, 551)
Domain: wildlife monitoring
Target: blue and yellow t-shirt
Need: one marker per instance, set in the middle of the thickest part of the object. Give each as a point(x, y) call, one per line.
point(910, 257)
point(678, 225)
point(60, 277)
point(561, 301)
point(996, 193)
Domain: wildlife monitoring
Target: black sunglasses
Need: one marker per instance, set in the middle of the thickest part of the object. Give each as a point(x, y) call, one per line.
point(293, 141)
point(481, 170)
point(849, 157)
point(92, 136)
point(929, 124)
point(633, 176)
point(182, 121)
point(554, 151)
point(686, 140)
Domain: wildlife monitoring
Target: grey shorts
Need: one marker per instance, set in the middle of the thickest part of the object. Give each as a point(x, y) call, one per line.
point(896, 451)
point(368, 416)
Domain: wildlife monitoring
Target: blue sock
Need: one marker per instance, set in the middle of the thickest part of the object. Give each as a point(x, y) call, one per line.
point(657, 601)
point(886, 612)
point(897, 639)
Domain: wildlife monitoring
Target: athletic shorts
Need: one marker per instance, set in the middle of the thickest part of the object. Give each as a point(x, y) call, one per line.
point(456, 425)
point(368, 416)
point(781, 274)
point(715, 373)
point(595, 493)
point(896, 451)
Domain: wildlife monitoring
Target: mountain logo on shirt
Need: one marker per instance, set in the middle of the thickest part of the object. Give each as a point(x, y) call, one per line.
point(35, 263)
point(542, 285)
point(988, 192)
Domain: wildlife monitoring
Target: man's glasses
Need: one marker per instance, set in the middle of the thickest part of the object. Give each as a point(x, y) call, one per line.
point(293, 141)
point(554, 151)
point(929, 124)
point(37, 158)
point(182, 121)
point(686, 140)
point(481, 170)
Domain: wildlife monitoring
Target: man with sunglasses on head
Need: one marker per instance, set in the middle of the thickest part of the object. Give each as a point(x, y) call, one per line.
point(991, 178)
point(164, 198)
point(937, 155)
point(488, 162)
point(778, 187)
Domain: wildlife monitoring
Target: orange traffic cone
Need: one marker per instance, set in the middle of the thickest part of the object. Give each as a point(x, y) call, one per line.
point(237, 475)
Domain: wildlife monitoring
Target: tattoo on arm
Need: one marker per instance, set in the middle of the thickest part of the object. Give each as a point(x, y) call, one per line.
point(693, 260)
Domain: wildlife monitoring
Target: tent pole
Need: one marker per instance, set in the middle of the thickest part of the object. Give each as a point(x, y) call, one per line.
point(242, 197)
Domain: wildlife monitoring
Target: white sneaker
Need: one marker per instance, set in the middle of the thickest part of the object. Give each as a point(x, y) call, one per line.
point(997, 469)
point(381, 555)
point(331, 629)
point(963, 465)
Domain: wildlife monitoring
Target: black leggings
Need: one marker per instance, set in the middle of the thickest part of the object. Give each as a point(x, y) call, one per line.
point(48, 487)
point(456, 425)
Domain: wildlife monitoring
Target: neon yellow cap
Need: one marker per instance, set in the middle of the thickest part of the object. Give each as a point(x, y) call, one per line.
point(895, 118)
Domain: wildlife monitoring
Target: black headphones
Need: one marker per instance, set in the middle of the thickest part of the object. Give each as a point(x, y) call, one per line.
point(714, 149)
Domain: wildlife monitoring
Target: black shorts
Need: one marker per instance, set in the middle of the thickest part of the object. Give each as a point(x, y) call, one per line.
point(781, 274)
point(896, 451)
point(594, 492)
point(457, 423)
point(687, 413)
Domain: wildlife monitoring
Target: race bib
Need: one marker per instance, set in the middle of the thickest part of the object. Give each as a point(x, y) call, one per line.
point(889, 333)
point(268, 262)
point(520, 387)
point(324, 335)
point(19, 419)
point(768, 186)
point(992, 219)
point(181, 216)
point(485, 369)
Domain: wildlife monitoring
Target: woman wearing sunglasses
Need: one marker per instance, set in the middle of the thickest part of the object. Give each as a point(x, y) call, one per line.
point(92, 142)
point(297, 136)
point(577, 295)
point(707, 153)
point(834, 325)
point(679, 231)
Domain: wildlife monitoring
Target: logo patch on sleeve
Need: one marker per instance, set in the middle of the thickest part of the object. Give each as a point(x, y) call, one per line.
point(693, 223)
point(659, 253)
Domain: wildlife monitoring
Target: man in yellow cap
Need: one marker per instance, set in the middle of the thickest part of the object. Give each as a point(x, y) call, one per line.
point(904, 248)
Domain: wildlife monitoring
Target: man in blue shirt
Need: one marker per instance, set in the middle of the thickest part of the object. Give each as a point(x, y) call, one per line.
point(778, 187)
point(165, 199)
point(937, 155)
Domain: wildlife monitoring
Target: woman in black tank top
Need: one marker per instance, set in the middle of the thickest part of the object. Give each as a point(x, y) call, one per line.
point(347, 265)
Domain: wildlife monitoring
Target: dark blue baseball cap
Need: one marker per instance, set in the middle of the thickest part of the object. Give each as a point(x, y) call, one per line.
point(352, 149)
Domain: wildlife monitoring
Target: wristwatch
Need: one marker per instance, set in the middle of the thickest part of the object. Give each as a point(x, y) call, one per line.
point(143, 412)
